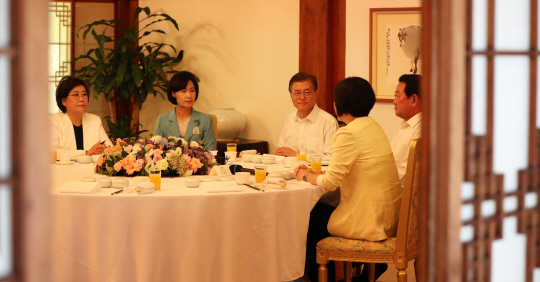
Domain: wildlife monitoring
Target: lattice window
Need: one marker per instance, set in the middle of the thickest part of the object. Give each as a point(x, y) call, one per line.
point(59, 47)
point(500, 209)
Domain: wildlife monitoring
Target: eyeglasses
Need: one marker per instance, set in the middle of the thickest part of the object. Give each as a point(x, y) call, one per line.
point(298, 94)
point(78, 96)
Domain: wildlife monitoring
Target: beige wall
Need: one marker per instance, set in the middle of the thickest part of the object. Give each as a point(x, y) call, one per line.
point(244, 53)
point(357, 52)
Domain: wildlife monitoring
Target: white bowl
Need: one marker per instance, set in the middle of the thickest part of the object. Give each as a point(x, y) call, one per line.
point(95, 158)
point(84, 159)
point(256, 159)
point(268, 159)
point(246, 158)
point(105, 182)
point(74, 156)
point(242, 177)
point(192, 182)
point(276, 174)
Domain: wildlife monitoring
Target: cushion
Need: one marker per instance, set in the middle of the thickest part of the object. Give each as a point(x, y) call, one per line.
point(387, 246)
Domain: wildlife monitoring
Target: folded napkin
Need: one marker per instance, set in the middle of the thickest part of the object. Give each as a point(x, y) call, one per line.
point(79, 187)
point(220, 186)
point(274, 182)
point(248, 152)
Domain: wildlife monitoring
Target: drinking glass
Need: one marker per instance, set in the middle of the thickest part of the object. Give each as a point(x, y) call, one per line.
point(301, 155)
point(260, 173)
point(231, 147)
point(155, 177)
point(316, 163)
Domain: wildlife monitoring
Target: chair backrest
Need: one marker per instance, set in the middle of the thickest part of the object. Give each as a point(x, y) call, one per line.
point(214, 124)
point(407, 232)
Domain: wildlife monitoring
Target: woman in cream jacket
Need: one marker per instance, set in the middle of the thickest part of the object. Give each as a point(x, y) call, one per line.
point(73, 130)
point(363, 166)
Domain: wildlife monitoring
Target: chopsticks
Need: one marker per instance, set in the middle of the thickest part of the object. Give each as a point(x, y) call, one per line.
point(119, 191)
point(253, 187)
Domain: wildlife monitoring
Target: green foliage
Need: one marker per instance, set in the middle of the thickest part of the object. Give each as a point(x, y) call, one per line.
point(122, 129)
point(129, 69)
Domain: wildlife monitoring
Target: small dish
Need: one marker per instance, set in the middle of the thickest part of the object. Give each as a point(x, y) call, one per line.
point(192, 182)
point(120, 182)
point(209, 179)
point(88, 179)
point(246, 158)
point(65, 163)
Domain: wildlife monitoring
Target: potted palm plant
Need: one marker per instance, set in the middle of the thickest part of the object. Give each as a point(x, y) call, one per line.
point(129, 72)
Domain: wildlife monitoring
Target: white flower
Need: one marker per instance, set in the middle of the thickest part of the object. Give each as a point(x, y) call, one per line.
point(162, 165)
point(155, 137)
point(194, 144)
point(136, 148)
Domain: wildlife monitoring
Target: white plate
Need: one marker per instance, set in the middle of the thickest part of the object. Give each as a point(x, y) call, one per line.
point(66, 163)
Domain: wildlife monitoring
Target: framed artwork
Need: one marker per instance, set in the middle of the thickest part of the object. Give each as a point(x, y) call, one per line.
point(394, 48)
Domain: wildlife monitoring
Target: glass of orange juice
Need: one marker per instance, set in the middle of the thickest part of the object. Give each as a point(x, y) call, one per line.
point(301, 155)
point(231, 147)
point(316, 163)
point(260, 173)
point(155, 177)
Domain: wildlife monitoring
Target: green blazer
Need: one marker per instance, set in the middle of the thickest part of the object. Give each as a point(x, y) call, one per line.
point(167, 125)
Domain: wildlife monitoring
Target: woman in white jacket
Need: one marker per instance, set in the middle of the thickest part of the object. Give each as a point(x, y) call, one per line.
point(74, 130)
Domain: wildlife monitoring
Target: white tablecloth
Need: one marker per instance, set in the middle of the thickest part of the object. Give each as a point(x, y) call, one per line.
point(179, 233)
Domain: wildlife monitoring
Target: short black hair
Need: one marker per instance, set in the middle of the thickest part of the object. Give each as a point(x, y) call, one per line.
point(412, 84)
point(66, 84)
point(178, 82)
point(355, 96)
point(303, 76)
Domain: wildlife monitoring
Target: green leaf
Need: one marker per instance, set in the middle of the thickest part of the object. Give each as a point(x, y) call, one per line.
point(120, 72)
point(137, 75)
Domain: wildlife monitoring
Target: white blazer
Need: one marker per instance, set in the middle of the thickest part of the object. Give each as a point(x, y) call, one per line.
point(63, 135)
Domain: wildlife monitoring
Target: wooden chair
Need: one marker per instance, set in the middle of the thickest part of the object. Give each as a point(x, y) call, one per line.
point(399, 250)
point(214, 124)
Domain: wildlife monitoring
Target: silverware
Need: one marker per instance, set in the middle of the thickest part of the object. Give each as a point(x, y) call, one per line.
point(256, 188)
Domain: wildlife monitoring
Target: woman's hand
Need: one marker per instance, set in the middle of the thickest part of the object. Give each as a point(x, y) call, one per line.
point(96, 149)
point(300, 171)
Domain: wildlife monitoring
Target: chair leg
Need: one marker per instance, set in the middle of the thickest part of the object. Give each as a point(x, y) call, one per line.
point(402, 275)
point(371, 272)
point(323, 273)
point(348, 271)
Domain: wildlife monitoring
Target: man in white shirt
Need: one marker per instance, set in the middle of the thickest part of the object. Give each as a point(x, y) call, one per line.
point(408, 107)
point(309, 128)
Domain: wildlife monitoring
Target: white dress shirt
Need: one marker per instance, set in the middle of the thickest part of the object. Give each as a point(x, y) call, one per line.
point(315, 133)
point(408, 131)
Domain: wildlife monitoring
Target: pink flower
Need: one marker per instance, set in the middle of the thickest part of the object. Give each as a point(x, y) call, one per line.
point(148, 146)
point(157, 158)
point(117, 166)
point(157, 152)
point(128, 148)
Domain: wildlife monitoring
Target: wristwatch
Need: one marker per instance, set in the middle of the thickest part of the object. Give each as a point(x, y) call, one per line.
point(305, 177)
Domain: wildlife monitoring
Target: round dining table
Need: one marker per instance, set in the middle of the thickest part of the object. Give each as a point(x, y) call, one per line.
point(179, 233)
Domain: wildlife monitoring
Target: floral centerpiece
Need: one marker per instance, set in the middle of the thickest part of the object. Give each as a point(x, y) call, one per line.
point(172, 155)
